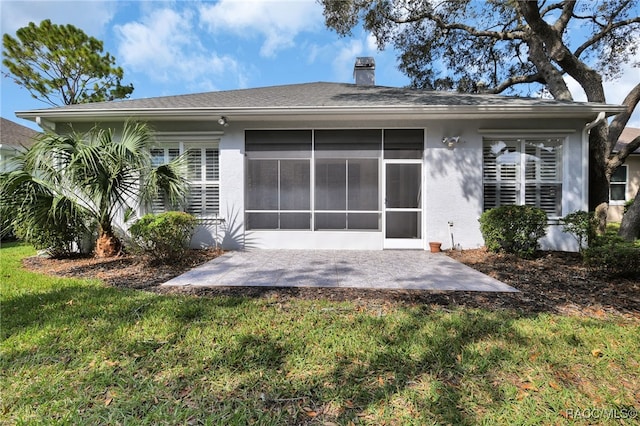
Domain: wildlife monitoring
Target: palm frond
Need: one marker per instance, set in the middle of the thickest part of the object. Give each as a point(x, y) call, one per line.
point(168, 181)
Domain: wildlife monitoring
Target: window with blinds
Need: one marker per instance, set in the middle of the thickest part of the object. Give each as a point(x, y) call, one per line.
point(160, 156)
point(203, 173)
point(519, 171)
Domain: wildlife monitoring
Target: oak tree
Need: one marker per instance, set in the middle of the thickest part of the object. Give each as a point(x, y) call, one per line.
point(61, 65)
point(497, 46)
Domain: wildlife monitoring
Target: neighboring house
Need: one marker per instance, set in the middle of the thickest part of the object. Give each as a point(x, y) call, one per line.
point(13, 139)
point(626, 179)
point(359, 166)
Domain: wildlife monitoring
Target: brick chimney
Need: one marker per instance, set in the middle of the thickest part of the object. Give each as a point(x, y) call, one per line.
point(364, 71)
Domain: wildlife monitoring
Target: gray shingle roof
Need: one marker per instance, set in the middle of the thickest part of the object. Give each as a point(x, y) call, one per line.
point(314, 95)
point(16, 135)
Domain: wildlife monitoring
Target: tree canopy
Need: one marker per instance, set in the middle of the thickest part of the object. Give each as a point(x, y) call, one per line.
point(496, 46)
point(61, 65)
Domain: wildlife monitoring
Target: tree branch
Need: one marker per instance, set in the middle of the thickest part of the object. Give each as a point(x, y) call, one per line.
point(555, 49)
point(552, 77)
point(440, 23)
point(617, 126)
point(624, 152)
point(567, 11)
point(606, 30)
point(519, 79)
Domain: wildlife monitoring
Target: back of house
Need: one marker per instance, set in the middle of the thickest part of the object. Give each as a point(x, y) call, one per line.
point(359, 166)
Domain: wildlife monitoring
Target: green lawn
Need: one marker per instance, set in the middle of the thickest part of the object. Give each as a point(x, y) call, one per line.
point(77, 352)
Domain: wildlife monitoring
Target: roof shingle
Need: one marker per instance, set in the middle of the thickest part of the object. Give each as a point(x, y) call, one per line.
point(16, 135)
point(318, 94)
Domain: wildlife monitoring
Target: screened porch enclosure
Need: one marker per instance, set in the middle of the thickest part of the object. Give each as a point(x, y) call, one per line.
point(364, 180)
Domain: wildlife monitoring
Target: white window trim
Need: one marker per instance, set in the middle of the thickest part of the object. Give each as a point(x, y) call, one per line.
point(521, 136)
point(199, 140)
point(626, 186)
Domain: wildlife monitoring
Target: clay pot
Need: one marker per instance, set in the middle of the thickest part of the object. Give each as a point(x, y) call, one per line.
point(435, 246)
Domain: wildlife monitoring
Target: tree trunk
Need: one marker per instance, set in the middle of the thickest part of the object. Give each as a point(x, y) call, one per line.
point(630, 226)
point(107, 245)
point(599, 176)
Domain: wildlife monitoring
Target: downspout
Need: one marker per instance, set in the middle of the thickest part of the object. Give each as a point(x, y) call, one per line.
point(585, 158)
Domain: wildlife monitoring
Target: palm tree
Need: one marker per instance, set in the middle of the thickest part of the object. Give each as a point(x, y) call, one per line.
point(96, 175)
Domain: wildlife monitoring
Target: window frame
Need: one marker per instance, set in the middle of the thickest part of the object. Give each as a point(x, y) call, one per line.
point(624, 184)
point(347, 159)
point(201, 141)
point(275, 155)
point(522, 179)
point(397, 149)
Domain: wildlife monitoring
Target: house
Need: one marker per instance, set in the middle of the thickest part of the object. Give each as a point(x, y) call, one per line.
point(13, 139)
point(626, 179)
point(359, 166)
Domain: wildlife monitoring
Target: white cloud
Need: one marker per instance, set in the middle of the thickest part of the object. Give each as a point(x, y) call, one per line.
point(342, 53)
point(372, 43)
point(278, 21)
point(345, 58)
point(164, 46)
point(91, 16)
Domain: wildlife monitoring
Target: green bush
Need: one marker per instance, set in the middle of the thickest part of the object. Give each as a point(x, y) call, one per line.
point(581, 225)
point(164, 236)
point(35, 215)
point(614, 256)
point(513, 229)
point(627, 205)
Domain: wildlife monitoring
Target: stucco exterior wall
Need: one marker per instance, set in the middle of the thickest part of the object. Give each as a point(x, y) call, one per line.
point(452, 182)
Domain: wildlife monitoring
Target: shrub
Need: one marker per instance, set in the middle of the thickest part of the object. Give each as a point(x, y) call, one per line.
point(627, 205)
point(581, 225)
point(37, 216)
point(614, 256)
point(164, 236)
point(513, 229)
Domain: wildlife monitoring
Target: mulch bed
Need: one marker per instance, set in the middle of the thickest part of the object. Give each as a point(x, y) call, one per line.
point(554, 282)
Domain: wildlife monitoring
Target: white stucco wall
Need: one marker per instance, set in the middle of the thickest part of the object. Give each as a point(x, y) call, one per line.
point(452, 184)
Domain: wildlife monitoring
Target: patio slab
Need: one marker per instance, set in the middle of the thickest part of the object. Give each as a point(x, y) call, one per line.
point(380, 269)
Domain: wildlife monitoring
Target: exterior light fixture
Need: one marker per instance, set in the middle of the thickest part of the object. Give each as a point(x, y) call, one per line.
point(223, 121)
point(452, 141)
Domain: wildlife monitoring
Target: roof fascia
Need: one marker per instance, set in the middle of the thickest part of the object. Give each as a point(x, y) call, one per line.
point(475, 111)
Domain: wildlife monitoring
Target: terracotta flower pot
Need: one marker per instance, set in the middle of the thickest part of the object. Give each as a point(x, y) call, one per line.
point(435, 246)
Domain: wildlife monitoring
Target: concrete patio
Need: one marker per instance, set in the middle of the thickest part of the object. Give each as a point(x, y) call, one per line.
point(382, 269)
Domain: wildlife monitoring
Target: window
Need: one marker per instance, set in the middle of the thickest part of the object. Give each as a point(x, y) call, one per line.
point(347, 179)
point(160, 156)
point(278, 179)
point(204, 178)
point(618, 185)
point(518, 171)
point(202, 172)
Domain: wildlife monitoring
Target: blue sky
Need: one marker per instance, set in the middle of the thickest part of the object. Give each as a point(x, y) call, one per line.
point(177, 47)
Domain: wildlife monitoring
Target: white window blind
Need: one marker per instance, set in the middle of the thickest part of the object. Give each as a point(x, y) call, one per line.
point(160, 156)
point(520, 171)
point(203, 173)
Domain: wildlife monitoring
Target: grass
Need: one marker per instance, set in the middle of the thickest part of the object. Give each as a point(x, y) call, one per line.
point(78, 352)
